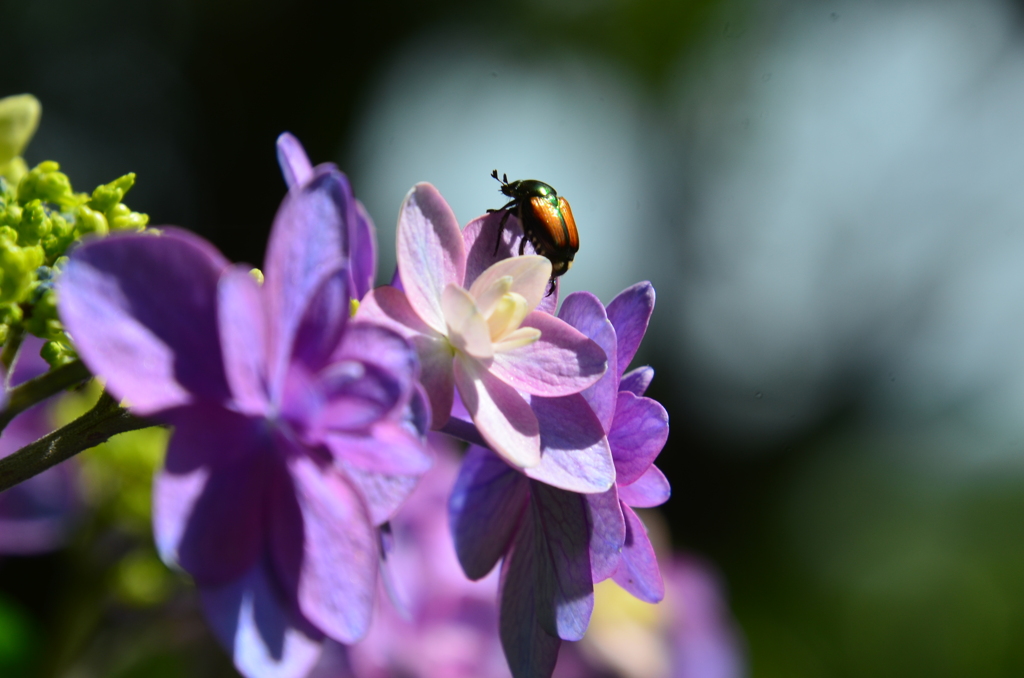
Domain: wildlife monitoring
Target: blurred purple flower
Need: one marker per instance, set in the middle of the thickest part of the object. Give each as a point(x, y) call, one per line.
point(362, 238)
point(297, 432)
point(36, 515)
point(450, 630)
point(637, 429)
point(476, 329)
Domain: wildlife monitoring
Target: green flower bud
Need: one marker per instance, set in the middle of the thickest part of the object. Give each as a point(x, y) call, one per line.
point(5, 331)
point(11, 216)
point(121, 218)
point(45, 182)
point(91, 221)
point(56, 354)
point(108, 195)
point(8, 233)
point(10, 314)
point(35, 224)
point(257, 275)
point(19, 266)
point(19, 117)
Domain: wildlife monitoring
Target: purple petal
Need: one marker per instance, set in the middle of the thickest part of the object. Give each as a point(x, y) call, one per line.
point(530, 650)
point(308, 243)
point(586, 313)
point(431, 254)
point(266, 639)
point(36, 515)
point(382, 493)
point(243, 338)
point(501, 415)
point(484, 510)
point(638, 435)
point(638, 571)
point(559, 557)
point(607, 533)
point(630, 312)
point(637, 381)
point(338, 573)
point(294, 162)
point(363, 245)
point(143, 313)
point(651, 489)
point(323, 323)
point(565, 590)
point(481, 235)
point(210, 521)
point(561, 362)
point(389, 449)
point(575, 454)
point(27, 365)
point(375, 345)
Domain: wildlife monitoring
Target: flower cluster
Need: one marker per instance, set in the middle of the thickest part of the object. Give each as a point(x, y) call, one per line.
point(301, 399)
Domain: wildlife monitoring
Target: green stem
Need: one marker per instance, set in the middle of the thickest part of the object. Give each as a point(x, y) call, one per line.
point(11, 347)
point(96, 426)
point(33, 391)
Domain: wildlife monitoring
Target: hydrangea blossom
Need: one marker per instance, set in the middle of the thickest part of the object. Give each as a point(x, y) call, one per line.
point(296, 431)
point(476, 328)
point(637, 429)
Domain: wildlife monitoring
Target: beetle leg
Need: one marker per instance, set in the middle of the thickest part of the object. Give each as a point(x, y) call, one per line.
point(551, 287)
point(522, 245)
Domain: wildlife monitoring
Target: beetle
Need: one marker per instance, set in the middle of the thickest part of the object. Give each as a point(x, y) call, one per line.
point(546, 219)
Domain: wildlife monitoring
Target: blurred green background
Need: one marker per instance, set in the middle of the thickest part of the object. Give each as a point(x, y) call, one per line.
point(826, 196)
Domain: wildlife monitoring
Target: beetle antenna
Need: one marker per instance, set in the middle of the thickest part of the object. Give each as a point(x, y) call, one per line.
point(504, 178)
point(494, 173)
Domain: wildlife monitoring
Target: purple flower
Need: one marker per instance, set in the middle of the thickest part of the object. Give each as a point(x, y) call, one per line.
point(296, 431)
point(637, 429)
point(36, 515)
point(476, 328)
point(557, 543)
point(362, 238)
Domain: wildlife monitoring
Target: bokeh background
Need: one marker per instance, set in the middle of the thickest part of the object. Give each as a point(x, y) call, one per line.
point(827, 196)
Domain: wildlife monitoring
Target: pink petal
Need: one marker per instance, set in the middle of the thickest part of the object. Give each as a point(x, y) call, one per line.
point(586, 313)
point(481, 235)
point(308, 243)
point(638, 435)
point(638, 570)
point(529, 275)
point(338, 573)
point(431, 254)
point(503, 418)
point(243, 338)
point(142, 310)
point(575, 454)
point(563, 361)
point(389, 307)
point(294, 162)
point(630, 312)
point(650, 489)
point(266, 638)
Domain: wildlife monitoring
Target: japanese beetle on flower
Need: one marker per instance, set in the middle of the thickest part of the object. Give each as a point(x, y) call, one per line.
point(546, 218)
